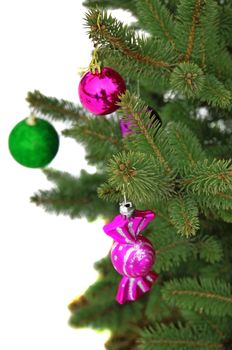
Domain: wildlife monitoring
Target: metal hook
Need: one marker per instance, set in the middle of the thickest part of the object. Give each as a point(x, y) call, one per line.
point(124, 193)
point(126, 208)
point(95, 64)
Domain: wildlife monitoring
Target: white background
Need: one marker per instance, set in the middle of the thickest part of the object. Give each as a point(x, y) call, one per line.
point(45, 260)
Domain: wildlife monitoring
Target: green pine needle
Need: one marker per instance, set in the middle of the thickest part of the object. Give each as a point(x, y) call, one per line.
point(209, 177)
point(187, 79)
point(100, 136)
point(176, 337)
point(145, 137)
point(140, 175)
point(203, 295)
point(186, 148)
point(156, 19)
point(73, 196)
point(184, 215)
point(51, 107)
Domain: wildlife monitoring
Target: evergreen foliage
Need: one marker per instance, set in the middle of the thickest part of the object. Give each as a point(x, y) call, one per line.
point(175, 58)
point(190, 84)
point(137, 171)
point(212, 297)
point(179, 337)
point(100, 137)
point(156, 19)
point(73, 196)
point(184, 215)
point(55, 109)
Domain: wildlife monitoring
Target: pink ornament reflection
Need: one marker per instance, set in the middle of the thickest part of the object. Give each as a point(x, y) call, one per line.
point(99, 92)
point(125, 126)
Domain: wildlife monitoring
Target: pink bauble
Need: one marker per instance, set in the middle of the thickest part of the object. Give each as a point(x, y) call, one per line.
point(133, 260)
point(99, 92)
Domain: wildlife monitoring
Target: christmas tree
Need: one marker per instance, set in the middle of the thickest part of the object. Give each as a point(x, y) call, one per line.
point(176, 59)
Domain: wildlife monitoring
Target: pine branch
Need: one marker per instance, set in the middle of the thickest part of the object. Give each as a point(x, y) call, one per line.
point(178, 110)
point(220, 151)
point(170, 4)
point(209, 177)
point(111, 33)
point(212, 297)
point(215, 93)
point(122, 341)
point(217, 58)
point(187, 150)
point(173, 251)
point(162, 213)
point(134, 70)
point(220, 325)
point(175, 337)
point(100, 309)
point(187, 79)
point(55, 109)
point(172, 254)
point(145, 137)
point(100, 136)
point(142, 176)
point(184, 215)
point(206, 48)
point(192, 32)
point(225, 215)
point(109, 193)
point(73, 196)
point(220, 200)
point(156, 308)
point(225, 23)
point(156, 19)
point(208, 249)
point(213, 324)
point(187, 29)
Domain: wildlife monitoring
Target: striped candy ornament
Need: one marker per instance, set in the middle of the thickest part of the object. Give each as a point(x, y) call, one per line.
point(132, 255)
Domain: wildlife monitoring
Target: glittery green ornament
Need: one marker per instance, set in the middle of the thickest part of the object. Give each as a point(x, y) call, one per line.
point(33, 142)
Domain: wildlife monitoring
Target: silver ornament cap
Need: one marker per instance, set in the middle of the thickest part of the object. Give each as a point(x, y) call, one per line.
point(126, 209)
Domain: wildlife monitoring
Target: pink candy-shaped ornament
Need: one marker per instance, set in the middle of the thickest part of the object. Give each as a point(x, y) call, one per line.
point(99, 92)
point(132, 255)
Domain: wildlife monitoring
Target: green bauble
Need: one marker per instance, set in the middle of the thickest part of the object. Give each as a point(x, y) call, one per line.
point(33, 142)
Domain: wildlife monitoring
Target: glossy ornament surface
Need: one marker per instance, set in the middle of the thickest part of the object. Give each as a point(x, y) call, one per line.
point(132, 255)
point(99, 92)
point(33, 144)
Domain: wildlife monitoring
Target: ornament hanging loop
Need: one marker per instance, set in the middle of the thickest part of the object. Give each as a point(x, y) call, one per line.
point(124, 192)
point(95, 64)
point(126, 208)
point(31, 119)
